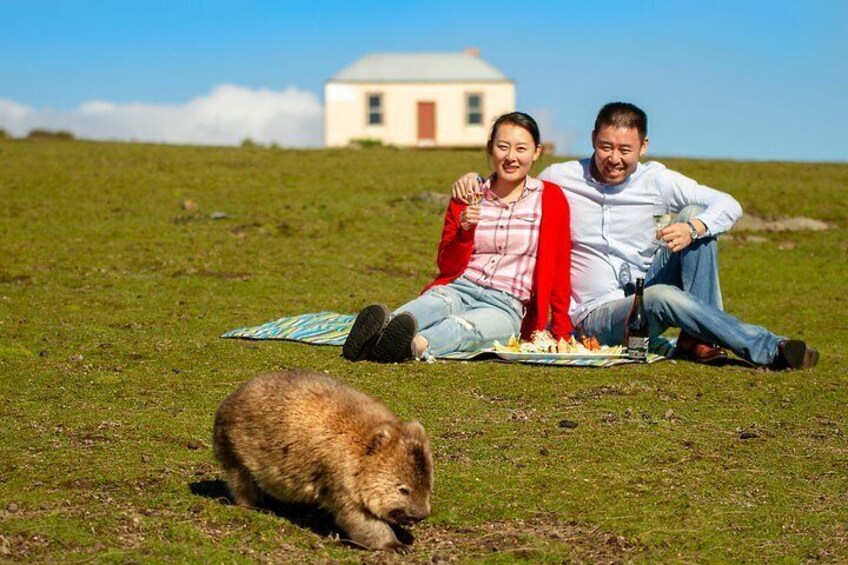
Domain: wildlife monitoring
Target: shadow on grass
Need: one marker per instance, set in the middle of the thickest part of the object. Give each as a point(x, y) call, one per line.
point(732, 362)
point(304, 516)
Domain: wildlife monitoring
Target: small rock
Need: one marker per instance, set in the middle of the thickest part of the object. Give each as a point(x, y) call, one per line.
point(194, 445)
point(43, 353)
point(433, 197)
point(669, 414)
point(750, 222)
point(77, 357)
point(748, 435)
point(189, 206)
point(787, 245)
point(12, 508)
point(145, 459)
point(218, 216)
point(568, 424)
point(544, 452)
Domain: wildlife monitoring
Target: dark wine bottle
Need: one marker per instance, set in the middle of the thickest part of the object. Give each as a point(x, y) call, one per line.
point(636, 326)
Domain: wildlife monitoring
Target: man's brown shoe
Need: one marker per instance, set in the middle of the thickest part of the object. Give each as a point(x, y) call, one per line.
point(693, 349)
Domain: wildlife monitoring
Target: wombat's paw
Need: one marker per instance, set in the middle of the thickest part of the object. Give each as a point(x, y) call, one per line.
point(398, 547)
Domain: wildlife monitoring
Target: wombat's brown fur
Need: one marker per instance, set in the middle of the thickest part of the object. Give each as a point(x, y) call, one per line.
point(303, 437)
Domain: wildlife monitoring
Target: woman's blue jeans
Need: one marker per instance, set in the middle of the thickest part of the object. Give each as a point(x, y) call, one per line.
point(682, 290)
point(463, 316)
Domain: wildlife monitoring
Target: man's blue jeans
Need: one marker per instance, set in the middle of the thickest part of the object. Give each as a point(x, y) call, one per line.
point(682, 290)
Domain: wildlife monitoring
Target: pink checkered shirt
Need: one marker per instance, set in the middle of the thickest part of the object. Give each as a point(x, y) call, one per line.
point(506, 241)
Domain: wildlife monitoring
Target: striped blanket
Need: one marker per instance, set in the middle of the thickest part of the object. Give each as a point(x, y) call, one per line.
point(331, 328)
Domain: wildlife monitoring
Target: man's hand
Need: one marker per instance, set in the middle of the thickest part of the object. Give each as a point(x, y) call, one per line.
point(677, 237)
point(464, 187)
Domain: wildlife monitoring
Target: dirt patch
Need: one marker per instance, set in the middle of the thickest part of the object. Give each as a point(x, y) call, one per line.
point(6, 278)
point(22, 546)
point(522, 540)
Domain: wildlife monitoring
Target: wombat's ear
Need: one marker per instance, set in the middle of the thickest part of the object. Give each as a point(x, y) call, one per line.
point(381, 437)
point(416, 430)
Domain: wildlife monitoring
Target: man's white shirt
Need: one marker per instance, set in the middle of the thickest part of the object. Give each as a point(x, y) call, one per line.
point(612, 228)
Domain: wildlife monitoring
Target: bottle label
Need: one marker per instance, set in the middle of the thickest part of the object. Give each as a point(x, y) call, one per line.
point(637, 348)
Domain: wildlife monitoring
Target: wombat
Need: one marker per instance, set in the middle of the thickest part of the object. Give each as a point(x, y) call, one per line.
point(302, 437)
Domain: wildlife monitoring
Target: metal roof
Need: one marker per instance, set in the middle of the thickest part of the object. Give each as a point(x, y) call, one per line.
point(420, 67)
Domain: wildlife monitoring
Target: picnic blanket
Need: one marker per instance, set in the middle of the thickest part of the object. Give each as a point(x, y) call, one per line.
point(331, 328)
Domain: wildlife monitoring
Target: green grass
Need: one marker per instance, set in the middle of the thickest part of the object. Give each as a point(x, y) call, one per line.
point(112, 298)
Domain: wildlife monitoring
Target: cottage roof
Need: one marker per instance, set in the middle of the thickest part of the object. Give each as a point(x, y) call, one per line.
point(420, 67)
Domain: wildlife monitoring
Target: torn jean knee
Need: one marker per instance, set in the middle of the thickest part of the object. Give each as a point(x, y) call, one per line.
point(464, 323)
point(471, 331)
point(464, 316)
point(433, 306)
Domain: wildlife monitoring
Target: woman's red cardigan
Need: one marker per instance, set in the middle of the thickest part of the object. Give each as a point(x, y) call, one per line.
point(552, 278)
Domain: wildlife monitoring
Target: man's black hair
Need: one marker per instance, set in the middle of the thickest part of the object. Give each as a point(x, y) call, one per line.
point(623, 115)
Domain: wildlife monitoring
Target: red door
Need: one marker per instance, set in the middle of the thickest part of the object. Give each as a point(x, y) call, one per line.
point(426, 122)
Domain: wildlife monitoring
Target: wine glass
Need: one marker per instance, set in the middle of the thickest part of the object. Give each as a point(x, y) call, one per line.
point(662, 218)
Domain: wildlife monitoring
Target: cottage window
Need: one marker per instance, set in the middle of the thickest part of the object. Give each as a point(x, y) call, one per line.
point(375, 109)
point(474, 109)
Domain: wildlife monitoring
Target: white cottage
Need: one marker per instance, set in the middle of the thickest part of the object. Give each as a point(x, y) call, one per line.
point(416, 100)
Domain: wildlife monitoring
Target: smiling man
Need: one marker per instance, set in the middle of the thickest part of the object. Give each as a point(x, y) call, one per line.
point(619, 233)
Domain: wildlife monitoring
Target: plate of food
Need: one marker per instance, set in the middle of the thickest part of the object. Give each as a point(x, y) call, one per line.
point(542, 345)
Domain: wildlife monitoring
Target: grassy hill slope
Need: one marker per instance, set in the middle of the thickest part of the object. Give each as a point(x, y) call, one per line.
point(112, 298)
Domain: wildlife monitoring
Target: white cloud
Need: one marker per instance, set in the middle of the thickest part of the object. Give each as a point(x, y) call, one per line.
point(226, 116)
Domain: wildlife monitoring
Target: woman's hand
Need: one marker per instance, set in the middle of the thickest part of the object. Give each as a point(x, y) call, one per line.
point(469, 217)
point(463, 189)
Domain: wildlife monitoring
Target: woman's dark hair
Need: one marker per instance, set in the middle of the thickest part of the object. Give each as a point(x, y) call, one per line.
point(623, 115)
point(519, 119)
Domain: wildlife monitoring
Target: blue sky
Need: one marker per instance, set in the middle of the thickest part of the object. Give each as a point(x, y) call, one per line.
point(743, 79)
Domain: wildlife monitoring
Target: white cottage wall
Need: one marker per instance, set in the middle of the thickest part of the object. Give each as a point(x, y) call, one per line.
point(346, 112)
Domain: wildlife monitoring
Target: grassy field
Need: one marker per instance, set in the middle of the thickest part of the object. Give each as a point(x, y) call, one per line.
point(112, 298)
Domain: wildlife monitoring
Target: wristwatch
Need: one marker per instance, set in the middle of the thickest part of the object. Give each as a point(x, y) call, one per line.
point(693, 233)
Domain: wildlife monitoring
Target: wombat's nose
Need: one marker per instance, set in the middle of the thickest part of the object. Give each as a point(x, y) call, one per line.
point(405, 516)
point(419, 513)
